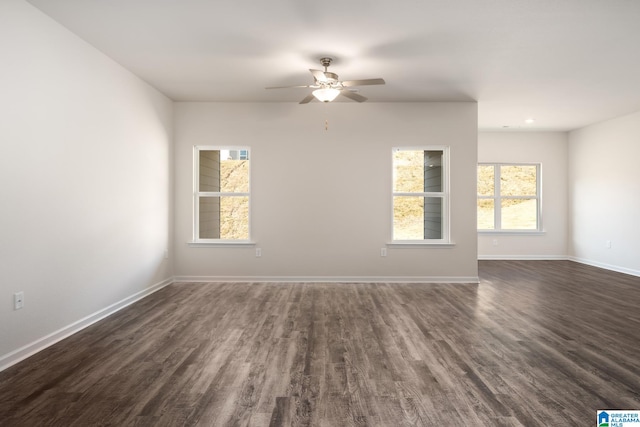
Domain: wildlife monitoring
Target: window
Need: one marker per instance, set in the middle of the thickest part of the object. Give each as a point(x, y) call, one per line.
point(421, 195)
point(221, 194)
point(509, 197)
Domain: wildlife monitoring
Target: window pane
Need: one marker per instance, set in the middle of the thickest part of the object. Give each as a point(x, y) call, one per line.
point(432, 171)
point(234, 176)
point(519, 214)
point(209, 178)
point(518, 180)
point(486, 216)
point(223, 171)
point(408, 218)
point(432, 218)
point(417, 171)
point(234, 213)
point(417, 218)
point(408, 171)
point(486, 180)
point(224, 218)
point(209, 215)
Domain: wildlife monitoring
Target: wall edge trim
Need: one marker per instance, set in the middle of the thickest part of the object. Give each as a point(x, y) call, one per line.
point(523, 257)
point(24, 352)
point(329, 279)
point(606, 266)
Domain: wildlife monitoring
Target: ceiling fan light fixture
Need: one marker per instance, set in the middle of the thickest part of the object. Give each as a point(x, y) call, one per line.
point(326, 94)
point(328, 85)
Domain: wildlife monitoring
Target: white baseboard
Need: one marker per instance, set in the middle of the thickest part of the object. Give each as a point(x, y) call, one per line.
point(611, 267)
point(329, 279)
point(524, 257)
point(22, 353)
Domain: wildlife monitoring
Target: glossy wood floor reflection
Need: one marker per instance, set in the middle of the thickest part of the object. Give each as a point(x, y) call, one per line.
point(536, 343)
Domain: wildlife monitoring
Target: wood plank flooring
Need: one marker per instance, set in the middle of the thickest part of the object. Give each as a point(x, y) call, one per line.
point(536, 343)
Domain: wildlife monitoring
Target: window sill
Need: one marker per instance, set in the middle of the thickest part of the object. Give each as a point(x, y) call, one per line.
point(221, 244)
point(419, 244)
point(514, 232)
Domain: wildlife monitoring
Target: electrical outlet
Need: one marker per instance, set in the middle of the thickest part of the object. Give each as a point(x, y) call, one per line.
point(495, 242)
point(18, 300)
point(607, 244)
point(383, 252)
point(258, 252)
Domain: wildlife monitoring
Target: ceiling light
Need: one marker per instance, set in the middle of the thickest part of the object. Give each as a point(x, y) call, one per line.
point(529, 121)
point(326, 94)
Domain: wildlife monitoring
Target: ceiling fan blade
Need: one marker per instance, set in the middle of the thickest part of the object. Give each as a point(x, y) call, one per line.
point(319, 75)
point(353, 95)
point(287, 87)
point(364, 82)
point(307, 99)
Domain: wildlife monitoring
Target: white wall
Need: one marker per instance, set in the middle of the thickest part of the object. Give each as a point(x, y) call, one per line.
point(321, 203)
point(85, 173)
point(604, 175)
point(549, 149)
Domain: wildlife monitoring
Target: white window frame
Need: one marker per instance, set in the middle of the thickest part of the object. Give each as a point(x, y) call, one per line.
point(445, 195)
point(196, 240)
point(497, 200)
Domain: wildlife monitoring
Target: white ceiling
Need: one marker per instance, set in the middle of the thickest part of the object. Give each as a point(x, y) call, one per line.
point(566, 63)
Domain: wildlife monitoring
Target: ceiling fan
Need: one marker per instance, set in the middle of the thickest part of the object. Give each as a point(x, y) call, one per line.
point(328, 86)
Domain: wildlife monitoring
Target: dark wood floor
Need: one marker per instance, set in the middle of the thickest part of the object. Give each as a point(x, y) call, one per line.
point(536, 343)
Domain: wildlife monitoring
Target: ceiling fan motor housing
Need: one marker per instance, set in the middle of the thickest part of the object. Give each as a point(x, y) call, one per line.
point(331, 77)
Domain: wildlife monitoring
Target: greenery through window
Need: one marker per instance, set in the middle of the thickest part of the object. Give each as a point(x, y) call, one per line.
point(221, 195)
point(509, 197)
